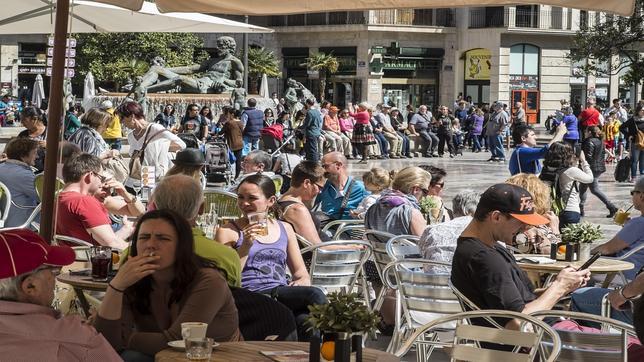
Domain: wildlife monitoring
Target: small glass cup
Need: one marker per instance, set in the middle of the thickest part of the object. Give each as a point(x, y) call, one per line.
point(261, 219)
point(621, 216)
point(101, 259)
point(198, 348)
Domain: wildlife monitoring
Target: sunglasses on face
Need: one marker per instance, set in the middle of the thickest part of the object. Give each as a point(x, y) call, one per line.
point(100, 177)
point(635, 192)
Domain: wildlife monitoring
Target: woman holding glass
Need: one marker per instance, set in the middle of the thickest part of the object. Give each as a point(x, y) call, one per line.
point(161, 285)
point(267, 247)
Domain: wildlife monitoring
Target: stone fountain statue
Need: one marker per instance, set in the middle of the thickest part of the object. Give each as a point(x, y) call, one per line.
point(221, 73)
point(295, 95)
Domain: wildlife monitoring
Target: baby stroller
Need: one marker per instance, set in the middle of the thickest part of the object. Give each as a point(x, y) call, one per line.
point(189, 139)
point(272, 137)
point(218, 167)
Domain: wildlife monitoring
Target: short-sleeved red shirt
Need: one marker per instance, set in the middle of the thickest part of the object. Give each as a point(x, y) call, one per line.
point(77, 212)
point(589, 117)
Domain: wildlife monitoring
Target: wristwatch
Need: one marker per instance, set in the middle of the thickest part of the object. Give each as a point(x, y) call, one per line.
point(621, 293)
point(133, 201)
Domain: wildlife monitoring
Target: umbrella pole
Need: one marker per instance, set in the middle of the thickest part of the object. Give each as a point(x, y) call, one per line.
point(55, 112)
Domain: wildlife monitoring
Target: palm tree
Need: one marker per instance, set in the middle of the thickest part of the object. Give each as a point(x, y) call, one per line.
point(325, 64)
point(261, 61)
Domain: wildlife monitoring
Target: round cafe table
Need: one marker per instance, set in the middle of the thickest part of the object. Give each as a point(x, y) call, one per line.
point(81, 282)
point(250, 351)
point(603, 265)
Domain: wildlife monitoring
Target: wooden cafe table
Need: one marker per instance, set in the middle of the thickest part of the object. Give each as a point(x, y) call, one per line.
point(608, 266)
point(249, 351)
point(80, 283)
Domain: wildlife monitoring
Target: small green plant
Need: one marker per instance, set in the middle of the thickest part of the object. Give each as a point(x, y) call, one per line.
point(428, 203)
point(344, 313)
point(584, 232)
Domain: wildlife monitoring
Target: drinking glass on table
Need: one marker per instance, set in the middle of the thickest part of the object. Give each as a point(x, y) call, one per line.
point(198, 348)
point(101, 258)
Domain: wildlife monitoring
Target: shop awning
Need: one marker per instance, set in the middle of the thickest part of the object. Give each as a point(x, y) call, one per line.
point(277, 7)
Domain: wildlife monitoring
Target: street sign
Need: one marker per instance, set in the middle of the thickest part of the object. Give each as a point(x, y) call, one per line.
point(69, 73)
point(69, 62)
point(71, 42)
point(69, 53)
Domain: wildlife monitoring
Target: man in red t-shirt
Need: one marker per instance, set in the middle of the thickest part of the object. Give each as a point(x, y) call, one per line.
point(589, 116)
point(80, 214)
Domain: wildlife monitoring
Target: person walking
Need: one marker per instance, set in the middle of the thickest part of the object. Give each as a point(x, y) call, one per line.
point(593, 148)
point(444, 132)
point(495, 131)
point(633, 129)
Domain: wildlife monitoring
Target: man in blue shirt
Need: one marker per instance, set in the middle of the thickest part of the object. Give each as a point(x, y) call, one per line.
point(526, 156)
point(338, 186)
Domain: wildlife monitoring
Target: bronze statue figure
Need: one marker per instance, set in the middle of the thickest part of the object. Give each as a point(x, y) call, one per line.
point(295, 95)
point(216, 75)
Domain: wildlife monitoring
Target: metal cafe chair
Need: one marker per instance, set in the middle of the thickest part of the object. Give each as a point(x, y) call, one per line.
point(225, 203)
point(403, 246)
point(335, 228)
point(378, 241)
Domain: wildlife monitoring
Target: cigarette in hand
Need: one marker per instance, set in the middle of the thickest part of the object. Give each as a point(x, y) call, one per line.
point(151, 253)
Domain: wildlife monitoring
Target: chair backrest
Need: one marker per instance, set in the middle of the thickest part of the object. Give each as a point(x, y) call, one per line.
point(609, 345)
point(467, 346)
point(39, 184)
point(349, 232)
point(420, 291)
point(332, 227)
point(225, 203)
point(467, 304)
point(5, 203)
point(378, 241)
point(71, 241)
point(278, 181)
point(337, 264)
point(403, 246)
point(302, 241)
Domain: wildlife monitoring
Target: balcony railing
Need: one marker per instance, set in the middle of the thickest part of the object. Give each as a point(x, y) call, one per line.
point(404, 17)
point(518, 18)
point(413, 17)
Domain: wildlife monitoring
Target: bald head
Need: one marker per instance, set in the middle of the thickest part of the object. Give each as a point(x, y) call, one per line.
point(335, 156)
point(179, 193)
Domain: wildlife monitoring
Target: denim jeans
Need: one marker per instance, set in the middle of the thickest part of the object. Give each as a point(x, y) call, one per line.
point(405, 143)
point(495, 144)
point(431, 141)
point(384, 144)
point(594, 189)
point(298, 299)
point(114, 143)
point(250, 144)
point(637, 157)
point(477, 143)
point(589, 300)
point(311, 149)
point(568, 217)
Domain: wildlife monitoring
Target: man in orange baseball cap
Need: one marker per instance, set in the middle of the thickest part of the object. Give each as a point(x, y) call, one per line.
point(30, 329)
point(485, 271)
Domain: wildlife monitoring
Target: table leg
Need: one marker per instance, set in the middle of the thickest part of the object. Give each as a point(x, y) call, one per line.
point(83, 301)
point(609, 278)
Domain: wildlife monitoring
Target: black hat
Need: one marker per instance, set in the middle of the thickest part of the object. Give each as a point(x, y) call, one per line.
point(513, 200)
point(190, 157)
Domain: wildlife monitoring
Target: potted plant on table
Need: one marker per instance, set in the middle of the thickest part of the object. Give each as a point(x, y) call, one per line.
point(578, 236)
point(430, 206)
point(342, 322)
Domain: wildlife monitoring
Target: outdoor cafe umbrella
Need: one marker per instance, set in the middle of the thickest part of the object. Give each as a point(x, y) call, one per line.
point(55, 16)
point(88, 90)
point(263, 87)
point(38, 93)
point(280, 7)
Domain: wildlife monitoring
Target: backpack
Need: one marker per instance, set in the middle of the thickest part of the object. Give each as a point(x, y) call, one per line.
point(623, 169)
point(136, 159)
point(551, 176)
point(639, 138)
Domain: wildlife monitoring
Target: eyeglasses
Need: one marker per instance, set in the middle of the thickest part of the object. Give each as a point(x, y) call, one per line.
point(325, 165)
point(635, 192)
point(439, 184)
point(319, 186)
point(100, 177)
point(425, 191)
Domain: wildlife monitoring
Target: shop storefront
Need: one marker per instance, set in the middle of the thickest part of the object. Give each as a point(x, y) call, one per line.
point(409, 75)
point(524, 80)
point(478, 63)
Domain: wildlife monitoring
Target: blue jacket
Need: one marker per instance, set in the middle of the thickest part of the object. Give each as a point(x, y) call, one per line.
point(330, 200)
point(526, 159)
point(571, 125)
point(254, 121)
point(313, 123)
point(19, 179)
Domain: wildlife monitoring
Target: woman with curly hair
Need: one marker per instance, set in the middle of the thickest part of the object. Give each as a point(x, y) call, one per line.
point(564, 171)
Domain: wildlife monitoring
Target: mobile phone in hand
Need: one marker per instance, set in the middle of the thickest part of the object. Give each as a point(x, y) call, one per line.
point(590, 261)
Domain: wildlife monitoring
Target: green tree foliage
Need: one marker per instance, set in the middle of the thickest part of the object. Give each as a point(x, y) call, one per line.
point(117, 58)
point(618, 36)
point(325, 64)
point(261, 61)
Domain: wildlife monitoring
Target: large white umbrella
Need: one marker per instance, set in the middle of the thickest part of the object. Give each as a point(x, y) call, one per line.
point(277, 7)
point(36, 17)
point(89, 90)
point(38, 93)
point(263, 87)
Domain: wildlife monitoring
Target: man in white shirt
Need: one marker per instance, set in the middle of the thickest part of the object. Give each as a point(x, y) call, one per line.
point(622, 113)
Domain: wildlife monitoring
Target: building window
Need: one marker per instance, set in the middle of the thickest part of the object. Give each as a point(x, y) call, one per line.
point(524, 59)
